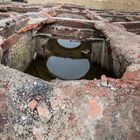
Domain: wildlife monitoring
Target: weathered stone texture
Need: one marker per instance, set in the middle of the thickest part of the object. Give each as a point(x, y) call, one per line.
point(103, 109)
point(21, 54)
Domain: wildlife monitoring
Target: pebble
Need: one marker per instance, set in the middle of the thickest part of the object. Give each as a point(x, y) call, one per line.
point(35, 83)
point(33, 104)
point(103, 83)
point(23, 118)
point(113, 88)
point(98, 85)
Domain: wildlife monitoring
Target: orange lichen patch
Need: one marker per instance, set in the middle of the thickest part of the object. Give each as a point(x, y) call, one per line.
point(129, 76)
point(70, 90)
point(95, 110)
point(138, 56)
point(102, 93)
point(28, 28)
point(132, 75)
point(33, 104)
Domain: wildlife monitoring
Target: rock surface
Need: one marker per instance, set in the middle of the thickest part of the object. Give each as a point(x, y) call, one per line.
point(104, 109)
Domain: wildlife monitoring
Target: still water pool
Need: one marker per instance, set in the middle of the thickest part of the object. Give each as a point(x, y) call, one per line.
point(67, 60)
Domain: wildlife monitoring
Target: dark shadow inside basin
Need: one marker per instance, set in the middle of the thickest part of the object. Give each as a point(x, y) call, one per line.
point(66, 61)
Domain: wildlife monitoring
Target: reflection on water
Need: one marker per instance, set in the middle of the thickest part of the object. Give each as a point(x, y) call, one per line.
point(66, 63)
point(68, 43)
point(67, 68)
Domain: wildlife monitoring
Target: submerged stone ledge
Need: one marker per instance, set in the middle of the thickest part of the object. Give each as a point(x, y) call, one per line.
point(31, 108)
